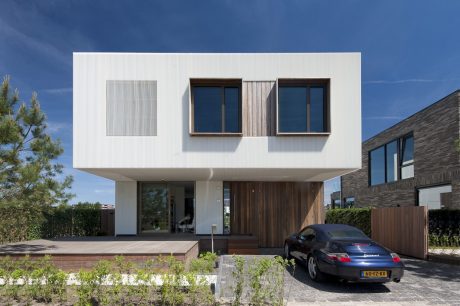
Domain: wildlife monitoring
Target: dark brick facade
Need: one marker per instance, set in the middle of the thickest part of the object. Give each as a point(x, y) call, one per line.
point(436, 160)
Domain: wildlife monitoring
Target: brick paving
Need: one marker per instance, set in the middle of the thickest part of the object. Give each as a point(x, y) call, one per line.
point(424, 283)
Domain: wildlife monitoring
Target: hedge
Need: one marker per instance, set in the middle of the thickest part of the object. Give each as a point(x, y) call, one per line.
point(444, 227)
point(357, 217)
point(444, 224)
point(25, 223)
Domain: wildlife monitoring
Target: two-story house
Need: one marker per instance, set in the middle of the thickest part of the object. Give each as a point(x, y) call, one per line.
point(414, 162)
point(242, 141)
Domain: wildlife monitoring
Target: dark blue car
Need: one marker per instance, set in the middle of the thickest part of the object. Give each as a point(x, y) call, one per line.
point(345, 252)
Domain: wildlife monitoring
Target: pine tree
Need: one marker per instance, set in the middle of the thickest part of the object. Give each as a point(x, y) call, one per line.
point(30, 177)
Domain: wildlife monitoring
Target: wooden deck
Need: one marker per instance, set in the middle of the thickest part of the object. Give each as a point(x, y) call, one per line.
point(74, 254)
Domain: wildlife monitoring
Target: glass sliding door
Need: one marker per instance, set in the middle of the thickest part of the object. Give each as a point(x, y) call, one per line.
point(154, 208)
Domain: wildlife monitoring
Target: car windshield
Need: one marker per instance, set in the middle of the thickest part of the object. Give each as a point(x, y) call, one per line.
point(346, 233)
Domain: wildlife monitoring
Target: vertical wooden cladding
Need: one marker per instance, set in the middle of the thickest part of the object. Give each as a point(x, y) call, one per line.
point(402, 229)
point(259, 108)
point(273, 210)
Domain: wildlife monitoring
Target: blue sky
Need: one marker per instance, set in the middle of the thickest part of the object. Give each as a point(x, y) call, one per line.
point(410, 49)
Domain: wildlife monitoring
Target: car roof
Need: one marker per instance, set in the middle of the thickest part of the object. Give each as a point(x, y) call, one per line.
point(329, 227)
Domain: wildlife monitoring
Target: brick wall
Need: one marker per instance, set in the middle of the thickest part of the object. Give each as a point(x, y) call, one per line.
point(435, 159)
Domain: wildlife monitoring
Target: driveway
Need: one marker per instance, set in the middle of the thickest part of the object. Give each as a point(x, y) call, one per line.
point(424, 283)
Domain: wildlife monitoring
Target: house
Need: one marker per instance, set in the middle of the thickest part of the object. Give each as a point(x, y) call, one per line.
point(414, 162)
point(239, 142)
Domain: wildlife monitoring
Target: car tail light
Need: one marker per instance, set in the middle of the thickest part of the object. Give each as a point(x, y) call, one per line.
point(341, 257)
point(395, 257)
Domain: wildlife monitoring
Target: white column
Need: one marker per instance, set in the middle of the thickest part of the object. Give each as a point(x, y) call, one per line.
point(125, 208)
point(209, 206)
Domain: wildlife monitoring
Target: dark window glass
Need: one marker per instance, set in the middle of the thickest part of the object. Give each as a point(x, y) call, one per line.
point(308, 234)
point(347, 233)
point(232, 110)
point(392, 161)
point(292, 108)
point(207, 112)
point(377, 157)
point(317, 109)
point(154, 208)
point(408, 150)
point(227, 210)
point(216, 109)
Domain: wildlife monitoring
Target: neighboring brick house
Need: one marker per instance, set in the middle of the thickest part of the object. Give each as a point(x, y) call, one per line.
point(414, 162)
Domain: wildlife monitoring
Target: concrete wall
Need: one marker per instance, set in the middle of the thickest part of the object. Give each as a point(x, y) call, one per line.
point(174, 155)
point(125, 208)
point(209, 206)
point(436, 160)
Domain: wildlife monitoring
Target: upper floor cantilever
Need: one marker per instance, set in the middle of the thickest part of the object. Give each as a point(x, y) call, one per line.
point(144, 110)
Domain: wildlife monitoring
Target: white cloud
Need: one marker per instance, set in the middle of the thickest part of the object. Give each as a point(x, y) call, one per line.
point(384, 118)
point(34, 44)
point(104, 190)
point(55, 127)
point(58, 91)
point(409, 81)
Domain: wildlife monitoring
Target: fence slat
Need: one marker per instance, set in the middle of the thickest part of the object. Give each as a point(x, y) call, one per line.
point(402, 229)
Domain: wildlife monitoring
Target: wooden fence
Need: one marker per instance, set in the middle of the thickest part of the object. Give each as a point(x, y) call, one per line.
point(404, 230)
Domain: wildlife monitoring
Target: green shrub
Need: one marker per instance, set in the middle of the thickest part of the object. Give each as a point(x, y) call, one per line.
point(18, 223)
point(28, 281)
point(266, 278)
point(238, 279)
point(357, 217)
point(205, 263)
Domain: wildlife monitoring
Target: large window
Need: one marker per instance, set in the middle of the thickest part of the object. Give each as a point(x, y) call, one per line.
point(216, 106)
point(377, 162)
point(302, 106)
point(392, 161)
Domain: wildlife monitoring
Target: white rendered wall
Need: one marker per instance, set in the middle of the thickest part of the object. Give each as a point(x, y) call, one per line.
point(174, 154)
point(208, 206)
point(125, 208)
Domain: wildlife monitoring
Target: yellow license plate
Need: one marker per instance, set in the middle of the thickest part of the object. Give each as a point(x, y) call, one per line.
point(375, 274)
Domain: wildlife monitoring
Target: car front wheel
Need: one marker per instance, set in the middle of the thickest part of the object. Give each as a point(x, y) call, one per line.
point(313, 272)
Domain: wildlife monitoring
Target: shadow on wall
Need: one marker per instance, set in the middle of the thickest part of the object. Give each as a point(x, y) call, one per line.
point(297, 143)
point(25, 248)
point(203, 143)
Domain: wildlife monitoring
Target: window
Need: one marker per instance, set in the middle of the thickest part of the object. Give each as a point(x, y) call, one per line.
point(407, 160)
point(347, 233)
point(302, 106)
point(349, 202)
point(392, 161)
point(435, 197)
point(216, 106)
point(307, 234)
point(227, 203)
point(377, 162)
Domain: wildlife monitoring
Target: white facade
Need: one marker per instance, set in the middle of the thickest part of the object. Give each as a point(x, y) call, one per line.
point(174, 155)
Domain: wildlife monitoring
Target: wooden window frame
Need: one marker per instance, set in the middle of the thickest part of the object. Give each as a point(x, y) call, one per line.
point(223, 83)
point(308, 83)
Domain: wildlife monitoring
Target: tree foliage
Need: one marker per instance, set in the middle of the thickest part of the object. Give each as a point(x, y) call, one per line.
point(29, 173)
